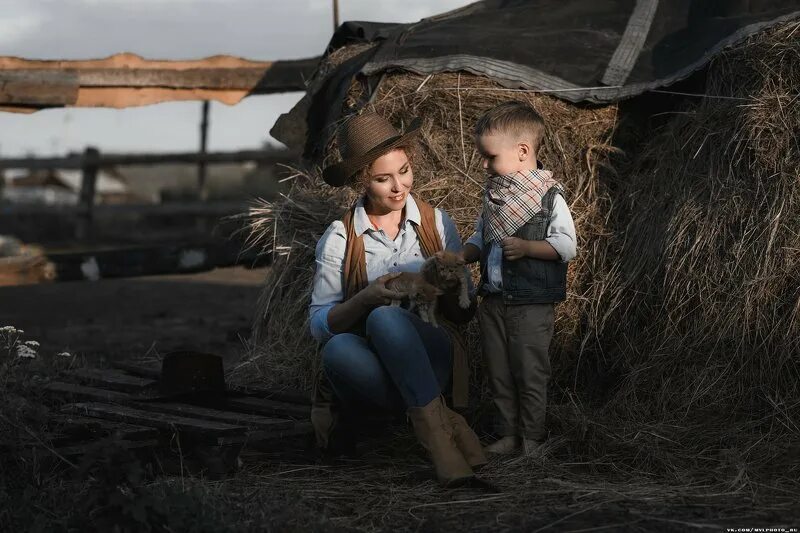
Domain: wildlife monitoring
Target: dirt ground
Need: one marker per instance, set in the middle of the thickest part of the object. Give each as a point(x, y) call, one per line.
point(388, 486)
point(138, 317)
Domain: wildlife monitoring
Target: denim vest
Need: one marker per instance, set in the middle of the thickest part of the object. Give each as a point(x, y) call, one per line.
point(528, 280)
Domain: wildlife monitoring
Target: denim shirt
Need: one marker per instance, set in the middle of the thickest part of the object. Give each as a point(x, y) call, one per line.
point(560, 235)
point(383, 255)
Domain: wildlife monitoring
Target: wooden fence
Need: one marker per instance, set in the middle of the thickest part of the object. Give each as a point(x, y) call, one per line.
point(91, 160)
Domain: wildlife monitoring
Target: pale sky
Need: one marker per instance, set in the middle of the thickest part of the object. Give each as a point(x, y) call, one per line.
point(172, 29)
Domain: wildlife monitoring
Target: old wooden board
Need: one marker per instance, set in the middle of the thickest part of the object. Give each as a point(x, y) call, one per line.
point(80, 449)
point(299, 429)
point(74, 427)
point(261, 406)
point(161, 421)
point(248, 419)
point(230, 417)
point(111, 379)
point(87, 393)
point(150, 371)
point(279, 395)
point(153, 371)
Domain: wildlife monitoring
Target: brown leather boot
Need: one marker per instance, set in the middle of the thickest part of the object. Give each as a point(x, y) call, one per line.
point(434, 431)
point(466, 439)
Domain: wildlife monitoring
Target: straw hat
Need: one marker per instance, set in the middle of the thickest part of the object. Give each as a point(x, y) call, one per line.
point(362, 140)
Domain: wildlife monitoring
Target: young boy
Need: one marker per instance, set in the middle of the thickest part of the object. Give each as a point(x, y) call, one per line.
point(524, 238)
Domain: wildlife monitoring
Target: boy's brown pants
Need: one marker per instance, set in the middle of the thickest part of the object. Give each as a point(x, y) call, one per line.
point(515, 342)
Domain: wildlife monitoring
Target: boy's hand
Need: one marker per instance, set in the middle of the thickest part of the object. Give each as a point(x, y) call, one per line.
point(514, 248)
point(470, 253)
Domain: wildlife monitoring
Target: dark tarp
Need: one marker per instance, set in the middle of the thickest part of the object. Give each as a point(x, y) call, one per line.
point(596, 51)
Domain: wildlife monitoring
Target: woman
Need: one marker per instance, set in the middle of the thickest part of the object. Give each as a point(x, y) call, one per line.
point(373, 353)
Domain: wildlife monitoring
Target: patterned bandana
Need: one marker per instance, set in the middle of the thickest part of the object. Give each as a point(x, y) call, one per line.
point(512, 200)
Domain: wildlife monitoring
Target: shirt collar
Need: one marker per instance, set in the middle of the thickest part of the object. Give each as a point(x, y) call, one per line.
point(361, 222)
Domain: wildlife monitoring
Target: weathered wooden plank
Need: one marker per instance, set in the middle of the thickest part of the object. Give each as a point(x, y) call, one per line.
point(230, 417)
point(299, 429)
point(191, 78)
point(277, 76)
point(36, 87)
point(279, 395)
point(111, 379)
point(77, 426)
point(266, 407)
point(80, 449)
point(104, 160)
point(197, 209)
point(151, 371)
point(156, 420)
point(150, 260)
point(90, 393)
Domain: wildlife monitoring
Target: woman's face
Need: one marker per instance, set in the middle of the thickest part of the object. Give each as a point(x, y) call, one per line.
point(390, 180)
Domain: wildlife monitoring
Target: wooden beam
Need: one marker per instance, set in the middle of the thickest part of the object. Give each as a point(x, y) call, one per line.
point(83, 392)
point(75, 427)
point(157, 420)
point(180, 409)
point(87, 192)
point(111, 379)
point(152, 371)
point(299, 429)
point(261, 406)
point(106, 160)
point(37, 84)
point(40, 88)
point(216, 209)
point(229, 417)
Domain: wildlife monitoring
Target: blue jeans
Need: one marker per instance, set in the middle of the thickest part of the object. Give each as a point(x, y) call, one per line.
point(404, 362)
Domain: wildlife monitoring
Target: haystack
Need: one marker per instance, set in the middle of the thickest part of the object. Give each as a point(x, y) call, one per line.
point(449, 175)
point(686, 288)
point(702, 303)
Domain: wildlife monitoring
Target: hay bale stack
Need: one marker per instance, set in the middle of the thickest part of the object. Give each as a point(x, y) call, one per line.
point(711, 255)
point(448, 174)
point(704, 305)
point(687, 282)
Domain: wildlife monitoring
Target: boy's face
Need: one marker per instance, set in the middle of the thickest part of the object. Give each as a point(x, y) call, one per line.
point(504, 154)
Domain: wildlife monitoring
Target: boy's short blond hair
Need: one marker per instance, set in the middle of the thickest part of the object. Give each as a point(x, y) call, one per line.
point(513, 118)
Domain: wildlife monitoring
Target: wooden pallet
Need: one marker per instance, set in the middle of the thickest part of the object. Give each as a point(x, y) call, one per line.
point(97, 404)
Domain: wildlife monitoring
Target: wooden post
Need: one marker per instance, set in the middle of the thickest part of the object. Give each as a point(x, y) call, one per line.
point(88, 187)
point(335, 15)
point(202, 191)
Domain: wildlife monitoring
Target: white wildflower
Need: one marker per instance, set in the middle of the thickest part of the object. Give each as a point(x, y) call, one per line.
point(10, 330)
point(32, 344)
point(26, 352)
point(64, 354)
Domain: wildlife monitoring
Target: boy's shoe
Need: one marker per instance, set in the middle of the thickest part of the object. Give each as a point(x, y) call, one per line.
point(504, 446)
point(532, 448)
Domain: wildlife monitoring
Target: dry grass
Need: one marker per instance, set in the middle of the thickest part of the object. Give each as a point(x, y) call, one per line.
point(702, 303)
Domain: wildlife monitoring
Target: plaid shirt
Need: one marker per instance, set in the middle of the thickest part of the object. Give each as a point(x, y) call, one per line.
point(512, 200)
